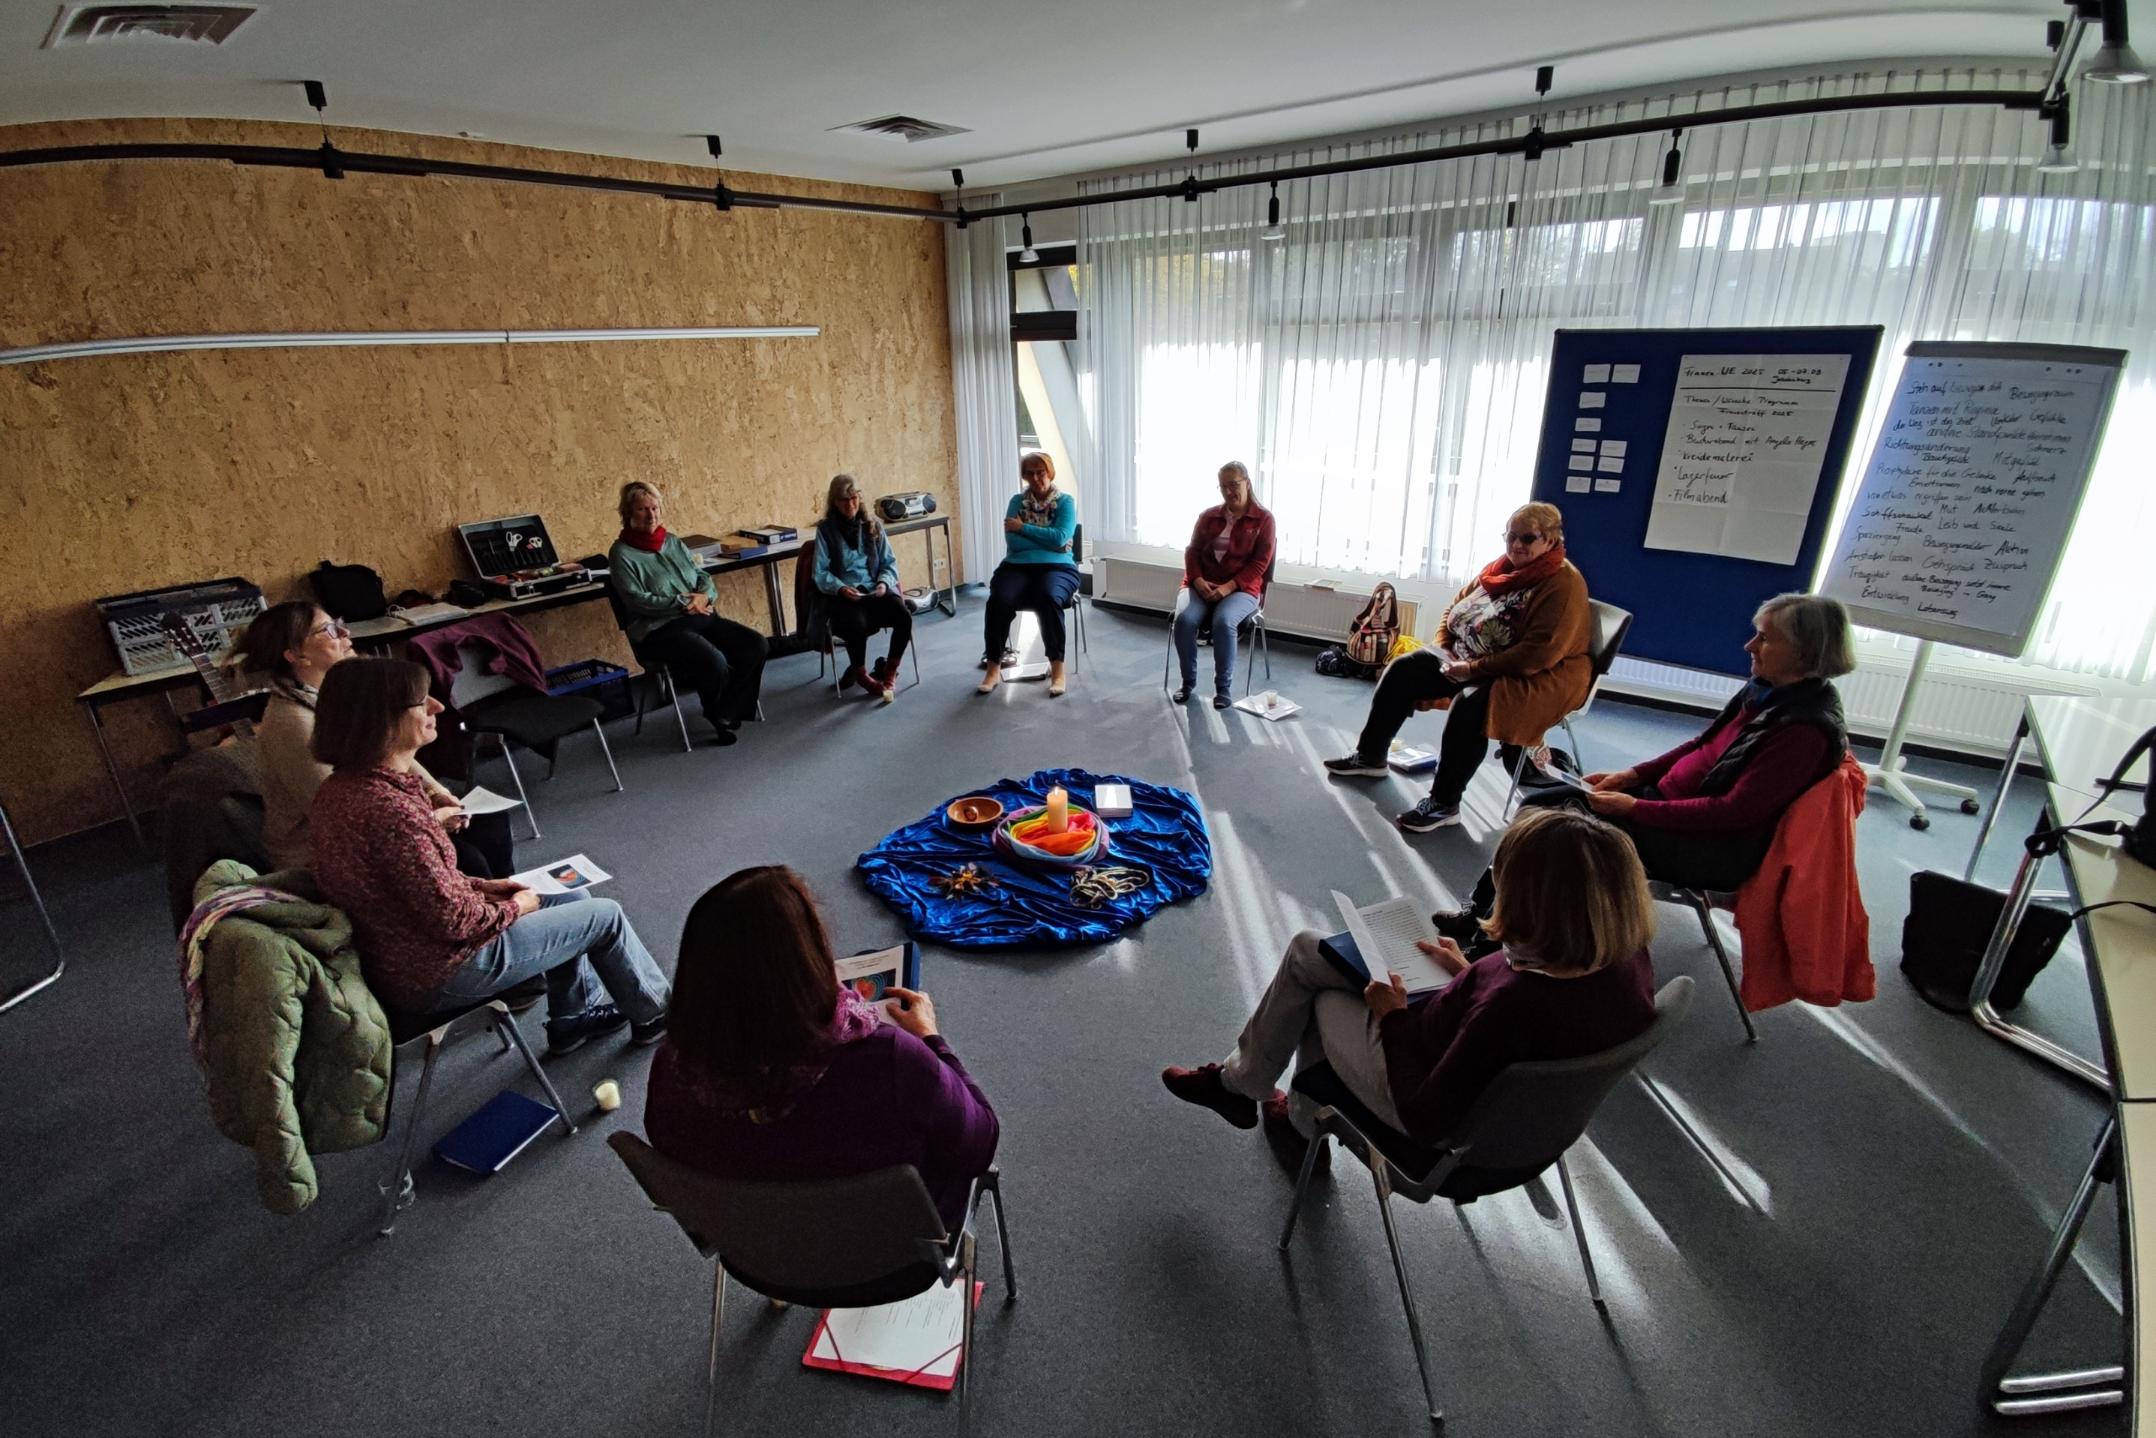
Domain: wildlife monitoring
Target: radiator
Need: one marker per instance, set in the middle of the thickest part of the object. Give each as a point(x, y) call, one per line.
point(1290, 608)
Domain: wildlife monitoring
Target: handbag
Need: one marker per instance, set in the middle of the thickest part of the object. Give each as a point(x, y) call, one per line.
point(350, 592)
point(1949, 926)
point(1371, 635)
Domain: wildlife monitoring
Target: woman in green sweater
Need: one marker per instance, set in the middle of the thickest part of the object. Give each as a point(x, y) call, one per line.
point(1037, 572)
point(673, 610)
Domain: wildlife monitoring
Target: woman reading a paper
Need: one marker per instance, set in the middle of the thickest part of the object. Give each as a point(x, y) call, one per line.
point(1703, 815)
point(292, 646)
point(429, 937)
point(772, 1069)
point(1571, 978)
point(1511, 661)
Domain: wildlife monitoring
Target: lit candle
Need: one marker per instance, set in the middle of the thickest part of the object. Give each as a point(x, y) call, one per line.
point(1059, 810)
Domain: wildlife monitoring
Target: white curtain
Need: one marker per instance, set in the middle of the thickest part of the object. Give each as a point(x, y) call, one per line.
point(984, 387)
point(1383, 368)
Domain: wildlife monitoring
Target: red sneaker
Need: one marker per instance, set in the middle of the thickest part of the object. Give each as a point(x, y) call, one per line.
point(853, 675)
point(1203, 1087)
point(1287, 1144)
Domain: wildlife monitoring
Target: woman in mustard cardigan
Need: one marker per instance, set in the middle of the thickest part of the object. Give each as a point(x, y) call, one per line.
point(1510, 661)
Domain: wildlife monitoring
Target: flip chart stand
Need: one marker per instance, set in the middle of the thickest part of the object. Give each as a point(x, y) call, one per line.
point(1888, 773)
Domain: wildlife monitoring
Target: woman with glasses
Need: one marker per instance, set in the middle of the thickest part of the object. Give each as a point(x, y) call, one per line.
point(857, 575)
point(1037, 572)
point(292, 646)
point(1510, 662)
point(1231, 548)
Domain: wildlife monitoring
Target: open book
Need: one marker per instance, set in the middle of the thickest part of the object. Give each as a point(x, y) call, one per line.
point(869, 975)
point(1386, 932)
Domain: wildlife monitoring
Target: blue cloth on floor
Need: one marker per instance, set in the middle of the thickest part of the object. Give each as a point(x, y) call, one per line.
point(1164, 835)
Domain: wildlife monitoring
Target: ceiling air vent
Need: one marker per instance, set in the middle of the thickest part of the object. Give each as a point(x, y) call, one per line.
point(109, 24)
point(905, 127)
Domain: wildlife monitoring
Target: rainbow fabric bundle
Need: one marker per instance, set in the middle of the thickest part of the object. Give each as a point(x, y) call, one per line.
point(1026, 838)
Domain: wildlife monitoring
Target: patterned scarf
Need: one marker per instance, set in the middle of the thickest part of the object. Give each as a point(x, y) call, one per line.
point(1499, 575)
point(195, 934)
point(1042, 512)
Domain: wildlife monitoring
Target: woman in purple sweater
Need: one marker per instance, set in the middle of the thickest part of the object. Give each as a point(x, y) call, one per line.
point(1571, 978)
point(771, 1070)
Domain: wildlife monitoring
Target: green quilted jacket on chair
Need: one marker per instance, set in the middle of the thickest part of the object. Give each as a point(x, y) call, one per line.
point(298, 1050)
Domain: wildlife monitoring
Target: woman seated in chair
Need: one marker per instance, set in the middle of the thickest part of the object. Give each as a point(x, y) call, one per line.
point(858, 576)
point(1510, 662)
point(674, 615)
point(774, 1070)
point(1037, 572)
point(1703, 815)
point(293, 645)
point(1572, 977)
point(1231, 547)
point(429, 937)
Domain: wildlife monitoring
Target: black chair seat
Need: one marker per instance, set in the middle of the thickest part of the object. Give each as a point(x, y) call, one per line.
point(536, 721)
point(1413, 1161)
point(406, 1025)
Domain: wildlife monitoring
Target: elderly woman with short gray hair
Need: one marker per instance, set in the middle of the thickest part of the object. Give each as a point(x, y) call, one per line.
point(1703, 815)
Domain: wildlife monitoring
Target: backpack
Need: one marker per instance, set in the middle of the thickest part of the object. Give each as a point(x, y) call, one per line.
point(1371, 636)
point(348, 591)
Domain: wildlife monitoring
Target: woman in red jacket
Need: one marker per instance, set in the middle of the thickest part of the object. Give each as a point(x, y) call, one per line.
point(1571, 978)
point(1224, 574)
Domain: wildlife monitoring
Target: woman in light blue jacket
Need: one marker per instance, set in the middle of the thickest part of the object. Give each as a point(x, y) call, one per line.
point(1037, 572)
point(858, 577)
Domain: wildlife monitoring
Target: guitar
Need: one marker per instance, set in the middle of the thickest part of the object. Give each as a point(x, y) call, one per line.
point(225, 695)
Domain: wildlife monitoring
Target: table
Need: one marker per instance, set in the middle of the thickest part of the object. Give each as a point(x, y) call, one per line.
point(115, 688)
point(2121, 948)
point(2078, 741)
point(945, 597)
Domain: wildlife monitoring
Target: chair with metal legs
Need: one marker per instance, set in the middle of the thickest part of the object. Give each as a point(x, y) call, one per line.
point(1256, 640)
point(776, 1239)
point(1704, 902)
point(497, 706)
point(1605, 642)
point(52, 935)
point(1522, 1124)
point(654, 669)
point(1075, 605)
point(414, 1034)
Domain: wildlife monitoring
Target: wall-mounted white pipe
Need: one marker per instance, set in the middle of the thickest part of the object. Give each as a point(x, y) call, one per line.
point(157, 344)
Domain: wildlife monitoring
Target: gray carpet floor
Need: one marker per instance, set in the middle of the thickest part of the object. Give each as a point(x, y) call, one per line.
point(1819, 1233)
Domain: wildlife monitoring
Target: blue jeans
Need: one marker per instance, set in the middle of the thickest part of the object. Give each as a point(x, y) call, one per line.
point(1223, 615)
point(568, 937)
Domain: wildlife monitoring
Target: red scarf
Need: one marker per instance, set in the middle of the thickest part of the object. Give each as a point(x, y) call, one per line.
point(650, 543)
point(1499, 575)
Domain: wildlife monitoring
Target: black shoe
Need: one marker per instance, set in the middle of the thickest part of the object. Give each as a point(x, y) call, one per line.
point(1462, 926)
point(566, 1035)
point(722, 736)
point(1182, 695)
point(1221, 701)
point(729, 725)
point(651, 1033)
point(1354, 766)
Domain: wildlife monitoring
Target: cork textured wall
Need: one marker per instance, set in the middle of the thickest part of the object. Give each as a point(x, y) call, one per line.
point(138, 471)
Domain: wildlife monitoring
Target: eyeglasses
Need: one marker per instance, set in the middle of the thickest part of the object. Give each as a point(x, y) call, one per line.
point(333, 629)
point(1521, 538)
point(1034, 473)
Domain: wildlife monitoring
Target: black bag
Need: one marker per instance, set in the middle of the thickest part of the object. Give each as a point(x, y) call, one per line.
point(1949, 925)
point(350, 592)
point(1333, 661)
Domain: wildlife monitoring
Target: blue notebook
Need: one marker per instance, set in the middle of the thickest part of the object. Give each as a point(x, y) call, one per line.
point(498, 1132)
point(1340, 951)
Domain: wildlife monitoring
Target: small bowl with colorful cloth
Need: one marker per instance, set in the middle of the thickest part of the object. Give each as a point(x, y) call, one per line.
point(974, 814)
point(1025, 838)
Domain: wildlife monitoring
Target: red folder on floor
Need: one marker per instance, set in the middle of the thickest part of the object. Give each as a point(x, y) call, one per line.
point(914, 1342)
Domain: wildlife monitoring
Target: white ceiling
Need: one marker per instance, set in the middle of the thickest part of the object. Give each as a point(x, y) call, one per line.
point(1046, 88)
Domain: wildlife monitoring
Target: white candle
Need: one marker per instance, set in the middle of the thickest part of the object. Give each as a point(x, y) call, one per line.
point(1059, 814)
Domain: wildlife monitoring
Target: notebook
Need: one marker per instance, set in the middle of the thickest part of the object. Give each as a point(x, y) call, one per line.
point(485, 1142)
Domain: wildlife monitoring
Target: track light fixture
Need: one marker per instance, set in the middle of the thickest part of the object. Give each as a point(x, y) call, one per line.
point(958, 184)
point(2056, 160)
point(2115, 62)
point(1671, 190)
point(1274, 231)
point(1028, 255)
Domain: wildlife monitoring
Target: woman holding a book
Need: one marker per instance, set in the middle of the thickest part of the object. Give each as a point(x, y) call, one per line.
point(430, 938)
point(774, 1070)
point(673, 613)
point(1570, 977)
point(1037, 572)
point(1510, 663)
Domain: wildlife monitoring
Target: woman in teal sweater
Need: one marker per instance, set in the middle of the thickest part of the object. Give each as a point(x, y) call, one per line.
point(673, 610)
point(857, 574)
point(1037, 571)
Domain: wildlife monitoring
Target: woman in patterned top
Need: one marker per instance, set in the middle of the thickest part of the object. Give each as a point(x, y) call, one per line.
point(1510, 662)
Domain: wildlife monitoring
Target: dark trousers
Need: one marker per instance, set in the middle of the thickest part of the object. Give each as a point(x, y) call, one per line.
point(1685, 858)
point(1042, 588)
point(1414, 679)
point(853, 620)
point(721, 660)
point(485, 847)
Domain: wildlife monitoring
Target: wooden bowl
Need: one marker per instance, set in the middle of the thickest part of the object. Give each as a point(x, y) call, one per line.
point(974, 813)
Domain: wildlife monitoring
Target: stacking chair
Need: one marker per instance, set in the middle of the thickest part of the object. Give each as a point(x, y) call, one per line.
point(816, 622)
point(1526, 1119)
point(856, 1242)
point(1605, 642)
point(412, 1034)
point(659, 673)
point(496, 705)
point(1255, 640)
point(1704, 902)
point(1075, 608)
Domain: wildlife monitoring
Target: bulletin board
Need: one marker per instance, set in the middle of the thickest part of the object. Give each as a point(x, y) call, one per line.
point(1697, 471)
